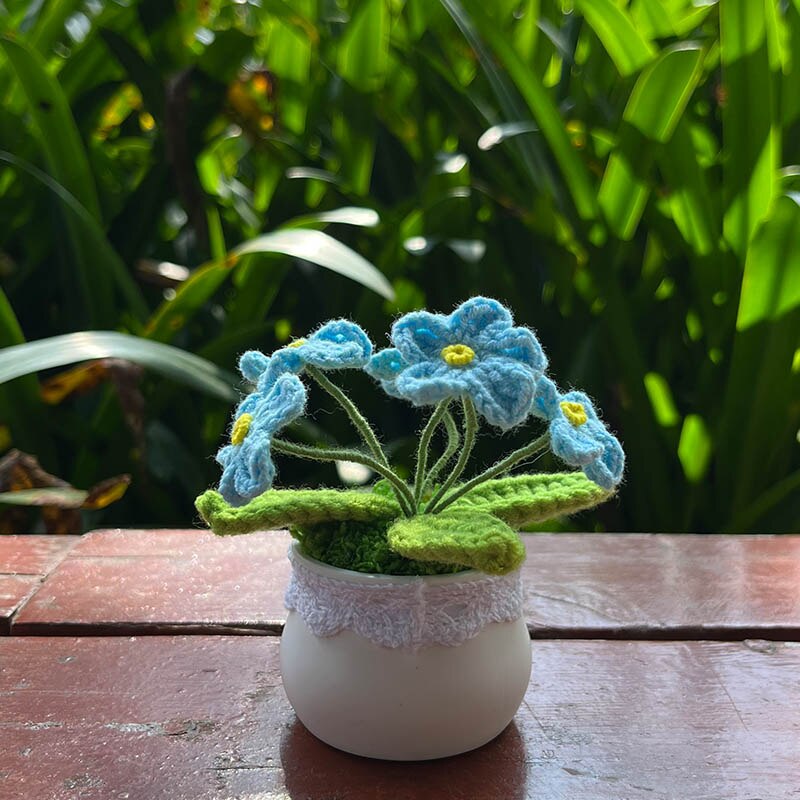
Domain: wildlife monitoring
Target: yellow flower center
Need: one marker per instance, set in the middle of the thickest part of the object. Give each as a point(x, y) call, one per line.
point(574, 412)
point(458, 355)
point(240, 428)
point(297, 343)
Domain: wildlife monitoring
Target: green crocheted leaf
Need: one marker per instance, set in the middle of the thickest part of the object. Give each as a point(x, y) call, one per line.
point(470, 538)
point(280, 508)
point(524, 499)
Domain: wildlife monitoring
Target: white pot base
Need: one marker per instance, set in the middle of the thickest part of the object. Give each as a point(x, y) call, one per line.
point(405, 704)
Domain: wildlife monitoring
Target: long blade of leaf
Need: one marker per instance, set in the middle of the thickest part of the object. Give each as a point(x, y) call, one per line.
point(58, 351)
point(58, 133)
point(532, 155)
point(771, 281)
point(657, 102)
point(749, 134)
point(624, 43)
point(67, 162)
point(541, 106)
point(690, 200)
point(91, 230)
point(310, 245)
point(364, 49)
point(319, 248)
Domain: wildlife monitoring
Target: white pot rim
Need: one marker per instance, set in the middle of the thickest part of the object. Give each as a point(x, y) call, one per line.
point(400, 610)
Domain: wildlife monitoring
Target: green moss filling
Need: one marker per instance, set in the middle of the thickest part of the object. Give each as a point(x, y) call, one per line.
point(362, 547)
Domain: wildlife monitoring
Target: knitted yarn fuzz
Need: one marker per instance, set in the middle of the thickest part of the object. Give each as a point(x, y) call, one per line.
point(476, 351)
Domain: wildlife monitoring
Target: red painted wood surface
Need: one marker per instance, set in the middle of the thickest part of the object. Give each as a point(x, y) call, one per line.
point(157, 581)
point(205, 717)
point(24, 562)
point(33, 555)
point(577, 585)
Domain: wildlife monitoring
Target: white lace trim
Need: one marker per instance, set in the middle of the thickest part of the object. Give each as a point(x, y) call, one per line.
point(415, 613)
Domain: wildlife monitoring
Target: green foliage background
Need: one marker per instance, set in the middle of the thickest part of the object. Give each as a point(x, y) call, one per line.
point(624, 175)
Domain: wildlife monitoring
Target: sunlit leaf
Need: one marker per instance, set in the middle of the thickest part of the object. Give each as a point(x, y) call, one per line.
point(364, 50)
point(653, 109)
point(694, 448)
point(539, 102)
point(771, 282)
point(319, 248)
point(497, 134)
point(627, 46)
point(750, 136)
point(71, 348)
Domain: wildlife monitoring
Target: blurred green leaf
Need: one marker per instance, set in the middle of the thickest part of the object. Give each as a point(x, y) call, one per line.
point(750, 137)
point(58, 351)
point(656, 103)
point(626, 45)
point(58, 135)
point(771, 282)
point(364, 49)
point(310, 245)
point(90, 231)
point(323, 250)
point(66, 158)
point(689, 197)
point(541, 106)
point(694, 448)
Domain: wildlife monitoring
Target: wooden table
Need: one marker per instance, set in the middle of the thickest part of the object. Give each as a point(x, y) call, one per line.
point(144, 664)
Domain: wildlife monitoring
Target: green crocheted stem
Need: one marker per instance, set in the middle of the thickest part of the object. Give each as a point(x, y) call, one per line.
point(527, 499)
point(422, 450)
point(357, 418)
point(281, 508)
point(453, 441)
point(471, 538)
point(470, 432)
point(403, 493)
point(504, 465)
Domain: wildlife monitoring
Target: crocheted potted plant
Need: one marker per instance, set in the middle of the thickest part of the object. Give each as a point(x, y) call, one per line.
point(405, 637)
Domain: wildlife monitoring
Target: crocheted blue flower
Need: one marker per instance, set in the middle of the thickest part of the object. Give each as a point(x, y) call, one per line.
point(577, 436)
point(338, 344)
point(476, 351)
point(247, 464)
point(385, 366)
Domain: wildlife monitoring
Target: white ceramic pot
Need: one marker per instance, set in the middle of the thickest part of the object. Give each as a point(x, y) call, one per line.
point(403, 667)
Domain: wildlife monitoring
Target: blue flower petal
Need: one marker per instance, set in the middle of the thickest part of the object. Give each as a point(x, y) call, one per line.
point(501, 389)
point(338, 344)
point(420, 336)
point(518, 344)
point(386, 364)
point(431, 382)
point(252, 364)
point(287, 360)
point(474, 316)
point(546, 399)
point(590, 446)
point(607, 470)
point(575, 446)
point(248, 469)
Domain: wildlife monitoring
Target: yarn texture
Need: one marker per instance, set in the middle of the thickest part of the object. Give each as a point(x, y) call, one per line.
point(522, 500)
point(471, 538)
point(476, 351)
point(247, 466)
point(415, 612)
point(472, 365)
point(362, 547)
point(338, 344)
point(281, 508)
point(578, 436)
